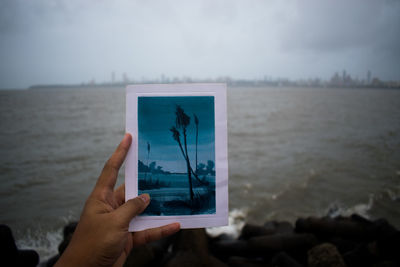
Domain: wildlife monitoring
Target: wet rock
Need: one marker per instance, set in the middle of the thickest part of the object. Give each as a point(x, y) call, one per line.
point(284, 260)
point(388, 240)
point(185, 258)
point(8, 248)
point(190, 248)
point(383, 227)
point(152, 254)
point(326, 228)
point(360, 219)
point(222, 237)
point(212, 261)
point(161, 247)
point(141, 256)
point(386, 264)
point(245, 262)
point(325, 255)
point(388, 246)
point(360, 256)
point(195, 240)
point(68, 231)
point(251, 230)
point(190, 258)
point(231, 247)
point(282, 242)
point(373, 249)
point(280, 227)
point(52, 261)
point(11, 255)
point(269, 228)
point(343, 245)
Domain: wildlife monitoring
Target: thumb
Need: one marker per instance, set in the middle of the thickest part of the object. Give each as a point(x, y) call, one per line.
point(132, 208)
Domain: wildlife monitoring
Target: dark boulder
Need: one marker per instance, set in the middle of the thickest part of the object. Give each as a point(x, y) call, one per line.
point(387, 241)
point(284, 260)
point(195, 240)
point(151, 254)
point(325, 255)
point(386, 264)
point(190, 248)
point(191, 259)
point(280, 227)
point(342, 244)
point(141, 256)
point(11, 255)
point(251, 230)
point(359, 256)
point(269, 228)
point(68, 231)
point(231, 248)
point(325, 228)
point(235, 261)
point(282, 242)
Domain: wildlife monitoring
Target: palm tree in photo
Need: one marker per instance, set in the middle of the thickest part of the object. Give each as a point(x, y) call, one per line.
point(196, 121)
point(181, 122)
point(176, 135)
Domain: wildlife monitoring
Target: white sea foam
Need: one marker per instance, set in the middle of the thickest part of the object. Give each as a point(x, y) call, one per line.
point(393, 195)
point(236, 223)
point(339, 209)
point(44, 243)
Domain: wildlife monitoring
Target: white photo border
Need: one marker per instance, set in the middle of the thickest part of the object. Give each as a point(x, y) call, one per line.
point(218, 90)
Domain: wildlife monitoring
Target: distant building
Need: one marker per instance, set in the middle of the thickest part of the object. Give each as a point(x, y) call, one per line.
point(125, 78)
point(369, 77)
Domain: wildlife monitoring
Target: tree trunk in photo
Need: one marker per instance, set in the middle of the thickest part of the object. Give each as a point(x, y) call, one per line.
point(188, 166)
point(148, 155)
point(197, 137)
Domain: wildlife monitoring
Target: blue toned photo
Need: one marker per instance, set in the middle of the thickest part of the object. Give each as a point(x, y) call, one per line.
point(176, 157)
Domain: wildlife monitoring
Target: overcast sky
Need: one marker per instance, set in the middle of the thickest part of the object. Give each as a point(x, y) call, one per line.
point(74, 41)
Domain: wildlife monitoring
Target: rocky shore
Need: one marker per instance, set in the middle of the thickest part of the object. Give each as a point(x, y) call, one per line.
point(342, 241)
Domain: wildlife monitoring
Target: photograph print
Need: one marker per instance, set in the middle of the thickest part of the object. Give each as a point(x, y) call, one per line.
point(176, 154)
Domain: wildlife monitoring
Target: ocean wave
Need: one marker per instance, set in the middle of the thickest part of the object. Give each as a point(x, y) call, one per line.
point(339, 209)
point(45, 243)
point(393, 195)
point(236, 222)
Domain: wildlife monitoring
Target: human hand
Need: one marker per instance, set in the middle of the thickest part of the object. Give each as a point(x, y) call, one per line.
point(101, 237)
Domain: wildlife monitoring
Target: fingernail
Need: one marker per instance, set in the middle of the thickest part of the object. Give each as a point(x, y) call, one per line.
point(172, 228)
point(126, 141)
point(145, 198)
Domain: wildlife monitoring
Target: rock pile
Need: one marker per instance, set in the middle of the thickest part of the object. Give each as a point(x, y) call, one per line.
point(342, 241)
point(11, 255)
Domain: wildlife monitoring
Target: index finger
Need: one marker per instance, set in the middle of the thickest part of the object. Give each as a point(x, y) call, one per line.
point(108, 176)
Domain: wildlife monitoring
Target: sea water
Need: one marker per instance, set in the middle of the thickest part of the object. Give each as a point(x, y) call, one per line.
point(292, 152)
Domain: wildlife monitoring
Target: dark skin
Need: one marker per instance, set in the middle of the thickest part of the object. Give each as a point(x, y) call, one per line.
point(102, 237)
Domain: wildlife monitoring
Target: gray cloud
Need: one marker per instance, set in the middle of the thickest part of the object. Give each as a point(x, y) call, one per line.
point(73, 41)
point(332, 26)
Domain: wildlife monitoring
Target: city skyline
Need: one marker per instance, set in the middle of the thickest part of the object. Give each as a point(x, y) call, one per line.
point(337, 79)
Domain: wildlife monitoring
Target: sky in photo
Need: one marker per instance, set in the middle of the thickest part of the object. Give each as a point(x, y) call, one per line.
point(156, 116)
point(74, 41)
